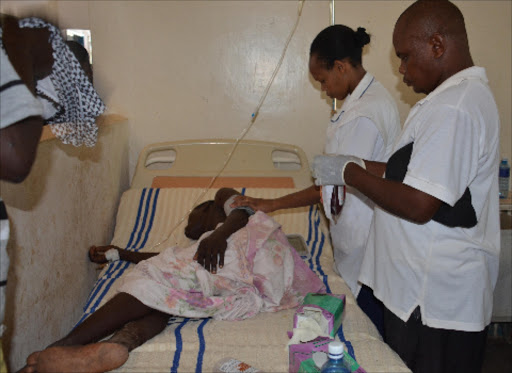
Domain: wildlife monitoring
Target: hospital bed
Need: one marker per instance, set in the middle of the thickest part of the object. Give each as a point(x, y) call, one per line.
point(170, 179)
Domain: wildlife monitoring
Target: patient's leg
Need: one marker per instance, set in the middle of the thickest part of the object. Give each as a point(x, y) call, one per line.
point(112, 316)
point(101, 356)
point(137, 332)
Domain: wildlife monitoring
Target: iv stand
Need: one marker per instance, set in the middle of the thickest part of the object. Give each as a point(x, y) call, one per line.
point(333, 110)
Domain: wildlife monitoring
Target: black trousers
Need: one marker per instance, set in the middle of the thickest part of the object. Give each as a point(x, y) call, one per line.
point(373, 307)
point(425, 349)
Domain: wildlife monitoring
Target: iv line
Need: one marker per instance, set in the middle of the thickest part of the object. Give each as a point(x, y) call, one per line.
point(254, 115)
point(333, 21)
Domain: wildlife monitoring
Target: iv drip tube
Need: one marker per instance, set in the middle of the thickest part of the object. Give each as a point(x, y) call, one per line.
point(254, 115)
point(333, 21)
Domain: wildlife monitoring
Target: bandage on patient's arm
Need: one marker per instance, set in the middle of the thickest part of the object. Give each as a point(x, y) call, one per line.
point(112, 255)
point(228, 209)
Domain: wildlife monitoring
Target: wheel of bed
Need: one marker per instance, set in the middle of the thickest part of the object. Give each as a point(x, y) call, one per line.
point(147, 215)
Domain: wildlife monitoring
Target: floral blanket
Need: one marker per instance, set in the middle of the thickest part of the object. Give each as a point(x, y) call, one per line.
point(261, 273)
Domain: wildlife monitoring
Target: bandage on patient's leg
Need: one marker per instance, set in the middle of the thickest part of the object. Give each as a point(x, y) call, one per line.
point(135, 333)
point(111, 317)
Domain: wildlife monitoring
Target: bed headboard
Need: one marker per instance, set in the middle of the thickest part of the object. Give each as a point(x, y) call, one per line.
point(193, 163)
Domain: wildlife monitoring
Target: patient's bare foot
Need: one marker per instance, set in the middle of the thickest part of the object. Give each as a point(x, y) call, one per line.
point(30, 367)
point(93, 358)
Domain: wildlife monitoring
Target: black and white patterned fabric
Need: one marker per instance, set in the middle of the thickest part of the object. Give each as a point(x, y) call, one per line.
point(73, 117)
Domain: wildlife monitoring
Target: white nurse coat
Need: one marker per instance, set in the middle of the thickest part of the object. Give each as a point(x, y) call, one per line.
point(366, 126)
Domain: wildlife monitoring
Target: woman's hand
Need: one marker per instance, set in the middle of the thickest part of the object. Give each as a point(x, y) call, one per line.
point(97, 253)
point(210, 252)
point(257, 204)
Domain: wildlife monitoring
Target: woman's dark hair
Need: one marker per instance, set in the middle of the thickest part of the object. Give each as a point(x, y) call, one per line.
point(337, 42)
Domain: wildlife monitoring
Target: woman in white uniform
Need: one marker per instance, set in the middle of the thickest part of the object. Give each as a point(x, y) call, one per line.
point(366, 126)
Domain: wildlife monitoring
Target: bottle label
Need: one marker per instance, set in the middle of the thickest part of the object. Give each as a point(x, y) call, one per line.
point(236, 366)
point(504, 172)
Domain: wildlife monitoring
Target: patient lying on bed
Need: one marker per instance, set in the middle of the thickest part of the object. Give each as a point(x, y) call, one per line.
point(258, 271)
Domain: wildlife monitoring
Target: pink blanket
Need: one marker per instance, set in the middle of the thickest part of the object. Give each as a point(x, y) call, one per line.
point(261, 273)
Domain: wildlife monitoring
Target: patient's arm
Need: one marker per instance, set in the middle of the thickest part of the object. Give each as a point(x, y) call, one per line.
point(210, 252)
point(97, 254)
point(211, 249)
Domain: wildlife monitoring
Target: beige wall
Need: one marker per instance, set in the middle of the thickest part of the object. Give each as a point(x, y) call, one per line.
point(197, 69)
point(67, 203)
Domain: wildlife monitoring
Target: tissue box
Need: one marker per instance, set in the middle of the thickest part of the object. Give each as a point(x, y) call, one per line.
point(329, 308)
point(301, 355)
point(316, 321)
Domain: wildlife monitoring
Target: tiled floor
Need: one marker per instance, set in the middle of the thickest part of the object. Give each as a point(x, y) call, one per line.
point(498, 356)
point(498, 353)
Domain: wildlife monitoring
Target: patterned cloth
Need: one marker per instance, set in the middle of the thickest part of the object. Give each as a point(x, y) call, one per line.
point(261, 273)
point(68, 95)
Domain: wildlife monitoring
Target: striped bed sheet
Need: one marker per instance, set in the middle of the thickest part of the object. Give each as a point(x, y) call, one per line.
point(150, 219)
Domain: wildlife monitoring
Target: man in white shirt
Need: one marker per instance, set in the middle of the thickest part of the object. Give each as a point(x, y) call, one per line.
point(432, 254)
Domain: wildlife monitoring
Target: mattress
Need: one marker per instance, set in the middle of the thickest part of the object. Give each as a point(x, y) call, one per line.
point(151, 219)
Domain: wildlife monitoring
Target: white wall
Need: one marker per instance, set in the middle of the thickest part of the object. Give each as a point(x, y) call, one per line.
point(197, 69)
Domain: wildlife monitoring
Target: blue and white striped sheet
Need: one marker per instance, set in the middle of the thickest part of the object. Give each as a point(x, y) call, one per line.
point(146, 218)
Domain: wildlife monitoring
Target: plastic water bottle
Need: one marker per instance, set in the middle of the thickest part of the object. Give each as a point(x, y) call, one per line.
point(504, 178)
point(335, 363)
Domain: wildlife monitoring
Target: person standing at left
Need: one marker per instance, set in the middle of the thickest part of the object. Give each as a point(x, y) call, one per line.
point(40, 82)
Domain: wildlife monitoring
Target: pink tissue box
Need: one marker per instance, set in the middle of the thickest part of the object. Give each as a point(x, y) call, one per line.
point(301, 354)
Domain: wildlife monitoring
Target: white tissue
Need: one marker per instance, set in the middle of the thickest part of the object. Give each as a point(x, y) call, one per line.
point(319, 358)
point(310, 325)
point(112, 255)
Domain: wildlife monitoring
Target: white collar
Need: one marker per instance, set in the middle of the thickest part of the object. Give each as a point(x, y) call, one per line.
point(356, 94)
point(361, 87)
point(474, 72)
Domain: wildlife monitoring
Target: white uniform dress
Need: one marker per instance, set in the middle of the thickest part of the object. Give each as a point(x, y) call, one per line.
point(366, 126)
point(449, 265)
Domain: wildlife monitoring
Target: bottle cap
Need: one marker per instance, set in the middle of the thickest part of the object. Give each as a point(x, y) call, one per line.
point(336, 350)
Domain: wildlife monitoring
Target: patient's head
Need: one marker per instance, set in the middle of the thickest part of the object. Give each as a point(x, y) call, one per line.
point(204, 218)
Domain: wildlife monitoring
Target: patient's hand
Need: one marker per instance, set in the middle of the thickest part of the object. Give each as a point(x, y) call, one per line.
point(210, 252)
point(97, 253)
point(257, 204)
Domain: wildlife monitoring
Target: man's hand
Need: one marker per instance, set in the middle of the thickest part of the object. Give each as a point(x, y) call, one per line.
point(210, 252)
point(329, 169)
